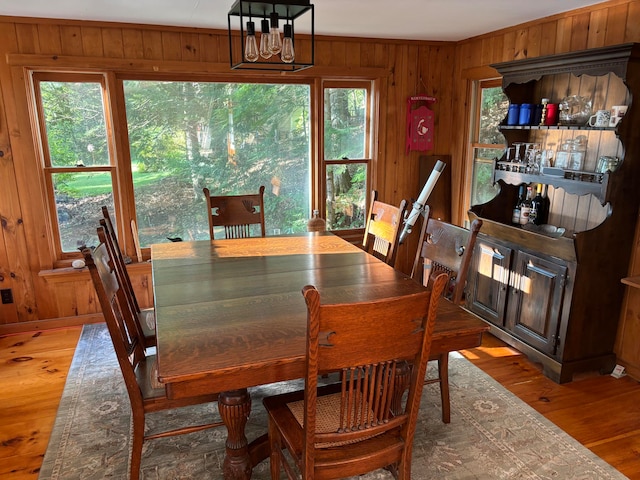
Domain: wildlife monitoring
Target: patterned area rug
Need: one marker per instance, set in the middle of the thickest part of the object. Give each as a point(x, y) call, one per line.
point(492, 434)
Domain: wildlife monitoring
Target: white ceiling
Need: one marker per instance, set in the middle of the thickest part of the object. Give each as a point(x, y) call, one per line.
point(447, 20)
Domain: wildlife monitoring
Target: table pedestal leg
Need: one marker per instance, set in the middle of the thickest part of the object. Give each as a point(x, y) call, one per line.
point(234, 407)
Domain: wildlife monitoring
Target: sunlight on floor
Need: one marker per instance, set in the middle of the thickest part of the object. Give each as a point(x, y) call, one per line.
point(490, 351)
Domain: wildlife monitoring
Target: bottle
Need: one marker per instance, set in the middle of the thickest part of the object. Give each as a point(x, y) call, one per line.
point(541, 206)
point(515, 216)
point(535, 205)
point(525, 208)
point(316, 223)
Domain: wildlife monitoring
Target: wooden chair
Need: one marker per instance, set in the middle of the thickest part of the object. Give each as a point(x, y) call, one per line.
point(382, 232)
point(360, 423)
point(145, 318)
point(445, 248)
point(236, 213)
point(139, 370)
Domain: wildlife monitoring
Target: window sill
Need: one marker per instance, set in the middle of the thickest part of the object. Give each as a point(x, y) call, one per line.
point(70, 274)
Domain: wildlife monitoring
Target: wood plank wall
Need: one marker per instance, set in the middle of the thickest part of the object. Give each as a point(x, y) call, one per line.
point(25, 251)
point(403, 68)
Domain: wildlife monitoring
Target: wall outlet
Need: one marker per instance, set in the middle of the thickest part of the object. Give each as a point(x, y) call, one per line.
point(6, 295)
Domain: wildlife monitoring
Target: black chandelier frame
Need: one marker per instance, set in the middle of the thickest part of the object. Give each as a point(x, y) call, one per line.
point(288, 12)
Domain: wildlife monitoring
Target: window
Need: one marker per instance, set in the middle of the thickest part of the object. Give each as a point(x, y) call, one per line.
point(347, 153)
point(76, 155)
point(146, 147)
point(229, 137)
point(487, 142)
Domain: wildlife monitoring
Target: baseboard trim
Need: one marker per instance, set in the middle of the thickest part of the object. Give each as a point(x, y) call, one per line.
point(49, 323)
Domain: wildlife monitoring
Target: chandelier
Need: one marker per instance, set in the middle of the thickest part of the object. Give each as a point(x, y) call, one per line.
point(275, 47)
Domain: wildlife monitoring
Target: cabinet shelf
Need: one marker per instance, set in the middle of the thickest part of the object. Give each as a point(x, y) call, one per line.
point(556, 127)
point(632, 281)
point(576, 187)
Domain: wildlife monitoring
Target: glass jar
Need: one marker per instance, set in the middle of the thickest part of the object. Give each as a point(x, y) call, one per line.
point(578, 153)
point(562, 155)
point(575, 110)
point(571, 153)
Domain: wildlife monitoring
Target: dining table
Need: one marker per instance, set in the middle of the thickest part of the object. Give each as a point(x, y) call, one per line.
point(230, 315)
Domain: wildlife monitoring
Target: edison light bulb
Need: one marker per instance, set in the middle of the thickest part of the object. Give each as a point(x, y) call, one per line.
point(250, 46)
point(275, 43)
point(287, 55)
point(264, 40)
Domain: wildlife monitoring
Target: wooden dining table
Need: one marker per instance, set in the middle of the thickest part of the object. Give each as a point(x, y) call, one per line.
point(230, 315)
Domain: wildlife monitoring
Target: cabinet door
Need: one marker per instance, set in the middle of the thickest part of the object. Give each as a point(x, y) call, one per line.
point(488, 280)
point(535, 300)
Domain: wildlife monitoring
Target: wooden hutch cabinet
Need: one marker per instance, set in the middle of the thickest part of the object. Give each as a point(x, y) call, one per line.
point(558, 298)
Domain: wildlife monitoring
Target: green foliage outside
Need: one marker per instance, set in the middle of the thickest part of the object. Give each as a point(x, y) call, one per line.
point(184, 136)
point(493, 109)
point(344, 138)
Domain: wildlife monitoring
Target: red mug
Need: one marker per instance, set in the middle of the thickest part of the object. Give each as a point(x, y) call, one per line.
point(551, 117)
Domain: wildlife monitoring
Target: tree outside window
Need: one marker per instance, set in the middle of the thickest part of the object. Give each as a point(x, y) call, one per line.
point(229, 137)
point(488, 143)
point(347, 154)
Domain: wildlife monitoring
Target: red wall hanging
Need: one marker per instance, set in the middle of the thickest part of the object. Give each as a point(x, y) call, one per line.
point(420, 121)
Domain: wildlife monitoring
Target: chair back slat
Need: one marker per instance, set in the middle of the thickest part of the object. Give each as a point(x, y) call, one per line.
point(236, 214)
point(382, 230)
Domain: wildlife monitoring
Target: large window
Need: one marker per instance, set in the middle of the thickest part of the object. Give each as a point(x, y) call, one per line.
point(347, 154)
point(229, 137)
point(487, 142)
point(146, 148)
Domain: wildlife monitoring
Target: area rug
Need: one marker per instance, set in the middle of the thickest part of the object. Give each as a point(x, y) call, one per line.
point(492, 434)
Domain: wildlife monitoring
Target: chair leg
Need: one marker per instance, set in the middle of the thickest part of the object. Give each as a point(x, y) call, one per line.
point(136, 446)
point(443, 372)
point(274, 456)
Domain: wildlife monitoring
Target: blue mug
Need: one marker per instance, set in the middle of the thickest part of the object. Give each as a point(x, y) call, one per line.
point(526, 111)
point(513, 115)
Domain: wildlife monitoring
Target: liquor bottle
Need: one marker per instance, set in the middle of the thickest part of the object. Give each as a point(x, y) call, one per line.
point(515, 216)
point(525, 208)
point(535, 204)
point(541, 205)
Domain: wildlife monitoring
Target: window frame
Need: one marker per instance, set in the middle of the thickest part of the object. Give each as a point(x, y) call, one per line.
point(119, 166)
point(48, 170)
point(370, 151)
point(476, 88)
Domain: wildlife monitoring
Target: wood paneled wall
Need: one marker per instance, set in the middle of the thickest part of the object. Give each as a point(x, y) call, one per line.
point(403, 68)
point(26, 260)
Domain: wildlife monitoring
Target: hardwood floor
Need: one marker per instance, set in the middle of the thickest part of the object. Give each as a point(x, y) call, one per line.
point(33, 370)
point(599, 411)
